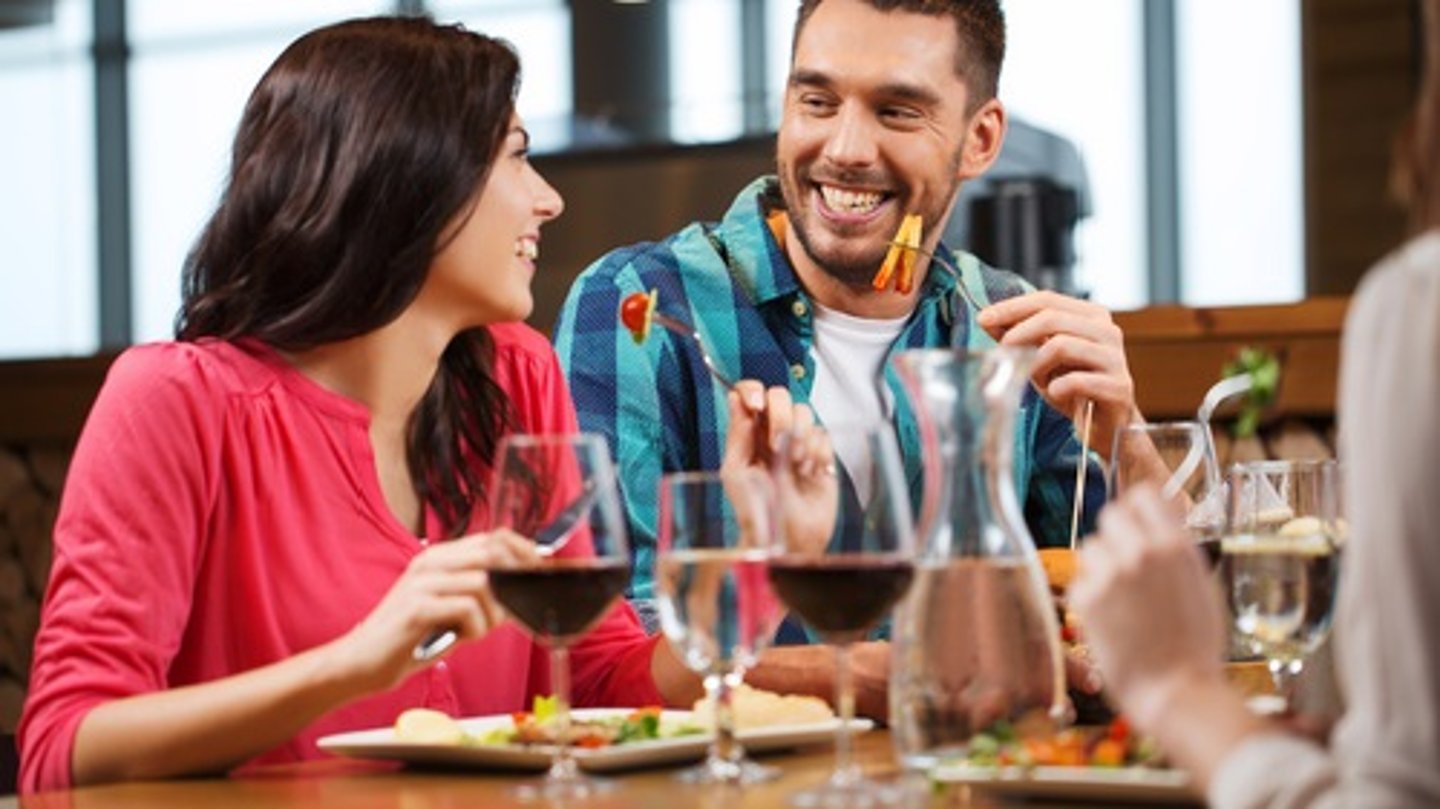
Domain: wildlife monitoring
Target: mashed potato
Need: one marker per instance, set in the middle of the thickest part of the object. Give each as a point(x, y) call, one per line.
point(754, 708)
point(424, 726)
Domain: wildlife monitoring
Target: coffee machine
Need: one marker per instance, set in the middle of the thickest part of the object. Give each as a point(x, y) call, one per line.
point(1021, 214)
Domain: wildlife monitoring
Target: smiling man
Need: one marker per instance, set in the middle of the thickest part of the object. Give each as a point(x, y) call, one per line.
point(889, 107)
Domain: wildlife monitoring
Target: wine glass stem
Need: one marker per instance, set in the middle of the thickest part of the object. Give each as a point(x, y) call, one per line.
point(563, 768)
point(1282, 673)
point(846, 772)
point(722, 690)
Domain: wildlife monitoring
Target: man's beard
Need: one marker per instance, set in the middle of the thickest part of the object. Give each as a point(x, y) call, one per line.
point(854, 268)
point(851, 270)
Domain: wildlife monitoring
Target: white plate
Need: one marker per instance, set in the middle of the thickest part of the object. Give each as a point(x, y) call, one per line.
point(1119, 784)
point(381, 743)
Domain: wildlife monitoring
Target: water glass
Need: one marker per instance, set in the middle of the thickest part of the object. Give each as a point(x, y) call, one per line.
point(716, 606)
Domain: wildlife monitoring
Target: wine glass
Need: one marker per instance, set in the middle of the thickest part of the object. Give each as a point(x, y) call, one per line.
point(1280, 559)
point(716, 605)
point(841, 563)
point(1178, 458)
point(560, 491)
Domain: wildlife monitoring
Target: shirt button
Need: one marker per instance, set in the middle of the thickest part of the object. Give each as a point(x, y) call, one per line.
point(799, 308)
point(798, 371)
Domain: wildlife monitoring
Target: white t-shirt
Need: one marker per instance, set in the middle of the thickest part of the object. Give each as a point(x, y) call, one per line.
point(848, 354)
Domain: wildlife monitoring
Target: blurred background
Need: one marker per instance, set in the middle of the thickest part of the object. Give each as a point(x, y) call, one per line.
point(1203, 152)
point(1215, 170)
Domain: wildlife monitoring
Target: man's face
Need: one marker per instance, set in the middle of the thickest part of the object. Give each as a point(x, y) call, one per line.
point(874, 128)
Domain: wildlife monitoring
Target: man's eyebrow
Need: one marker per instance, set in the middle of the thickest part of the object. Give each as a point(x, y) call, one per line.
point(895, 91)
point(914, 93)
point(810, 78)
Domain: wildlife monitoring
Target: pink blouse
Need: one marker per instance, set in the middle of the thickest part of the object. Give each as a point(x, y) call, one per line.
point(223, 512)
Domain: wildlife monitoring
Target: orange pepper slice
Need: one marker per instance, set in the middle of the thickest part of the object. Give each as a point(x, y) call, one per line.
point(899, 263)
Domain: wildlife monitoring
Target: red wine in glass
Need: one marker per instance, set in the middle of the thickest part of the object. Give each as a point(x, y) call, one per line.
point(563, 598)
point(841, 596)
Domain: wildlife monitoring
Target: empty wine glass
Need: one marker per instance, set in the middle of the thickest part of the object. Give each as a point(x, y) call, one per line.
point(1178, 458)
point(1280, 559)
point(716, 605)
point(559, 490)
point(841, 563)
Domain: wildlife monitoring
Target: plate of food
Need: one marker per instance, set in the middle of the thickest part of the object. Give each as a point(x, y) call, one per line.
point(603, 739)
point(1106, 763)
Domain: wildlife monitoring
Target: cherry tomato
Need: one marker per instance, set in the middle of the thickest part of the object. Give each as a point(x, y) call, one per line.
point(1119, 729)
point(635, 312)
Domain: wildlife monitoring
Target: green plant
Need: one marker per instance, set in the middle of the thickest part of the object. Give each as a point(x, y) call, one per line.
point(1264, 369)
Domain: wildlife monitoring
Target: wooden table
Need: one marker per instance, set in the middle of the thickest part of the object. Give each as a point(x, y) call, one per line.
point(363, 785)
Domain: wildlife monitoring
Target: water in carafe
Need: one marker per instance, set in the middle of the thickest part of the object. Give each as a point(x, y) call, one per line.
point(976, 645)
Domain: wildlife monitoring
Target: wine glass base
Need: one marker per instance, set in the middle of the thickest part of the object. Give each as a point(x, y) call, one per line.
point(562, 789)
point(720, 771)
point(859, 793)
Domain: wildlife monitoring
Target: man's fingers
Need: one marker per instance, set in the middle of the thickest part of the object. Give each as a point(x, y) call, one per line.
point(1081, 671)
point(752, 395)
point(780, 414)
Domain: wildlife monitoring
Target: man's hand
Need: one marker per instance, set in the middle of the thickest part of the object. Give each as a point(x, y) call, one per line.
point(811, 670)
point(760, 421)
point(1081, 356)
point(870, 672)
point(1081, 673)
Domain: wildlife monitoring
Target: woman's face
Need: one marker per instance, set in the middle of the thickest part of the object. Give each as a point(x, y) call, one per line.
point(482, 275)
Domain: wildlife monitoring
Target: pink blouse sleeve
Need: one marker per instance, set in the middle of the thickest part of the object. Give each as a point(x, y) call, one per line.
point(610, 666)
point(125, 547)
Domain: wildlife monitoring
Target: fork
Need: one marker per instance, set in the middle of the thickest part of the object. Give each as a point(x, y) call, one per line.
point(948, 267)
point(1084, 415)
point(1219, 392)
point(684, 329)
point(551, 537)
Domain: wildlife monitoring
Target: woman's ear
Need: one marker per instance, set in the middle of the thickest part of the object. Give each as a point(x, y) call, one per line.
point(984, 134)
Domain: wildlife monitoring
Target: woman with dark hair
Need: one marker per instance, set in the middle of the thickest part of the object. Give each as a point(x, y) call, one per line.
point(1152, 615)
point(245, 554)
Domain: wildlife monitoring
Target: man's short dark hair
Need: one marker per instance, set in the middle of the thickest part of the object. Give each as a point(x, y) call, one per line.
point(980, 25)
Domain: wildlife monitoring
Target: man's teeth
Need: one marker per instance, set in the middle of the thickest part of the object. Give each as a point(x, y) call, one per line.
point(527, 249)
point(841, 199)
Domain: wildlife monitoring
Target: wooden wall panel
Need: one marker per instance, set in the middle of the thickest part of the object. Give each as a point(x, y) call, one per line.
point(1176, 353)
point(1359, 79)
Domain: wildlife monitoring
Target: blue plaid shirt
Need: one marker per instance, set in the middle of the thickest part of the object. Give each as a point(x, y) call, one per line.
point(662, 412)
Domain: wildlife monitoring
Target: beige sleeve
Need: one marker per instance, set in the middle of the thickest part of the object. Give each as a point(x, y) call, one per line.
point(1386, 749)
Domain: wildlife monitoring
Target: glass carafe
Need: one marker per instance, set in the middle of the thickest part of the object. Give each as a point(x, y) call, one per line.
point(977, 642)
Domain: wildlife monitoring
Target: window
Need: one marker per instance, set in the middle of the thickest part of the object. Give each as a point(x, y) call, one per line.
point(1241, 151)
point(540, 32)
point(1075, 69)
point(48, 301)
point(193, 66)
point(705, 72)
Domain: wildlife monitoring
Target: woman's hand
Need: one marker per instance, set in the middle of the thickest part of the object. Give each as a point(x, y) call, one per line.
point(1081, 356)
point(444, 587)
point(1148, 604)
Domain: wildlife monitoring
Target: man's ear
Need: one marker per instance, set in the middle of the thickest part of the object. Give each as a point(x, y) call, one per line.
point(984, 134)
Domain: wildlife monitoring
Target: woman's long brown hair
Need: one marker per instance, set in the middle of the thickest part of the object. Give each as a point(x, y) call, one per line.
point(358, 147)
point(1415, 178)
